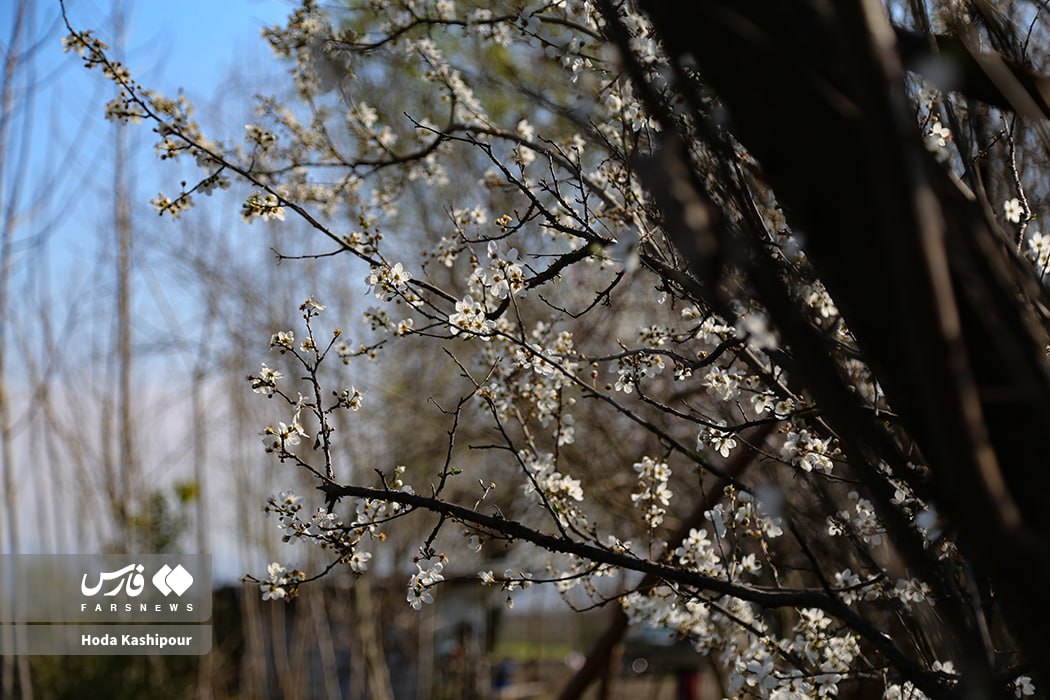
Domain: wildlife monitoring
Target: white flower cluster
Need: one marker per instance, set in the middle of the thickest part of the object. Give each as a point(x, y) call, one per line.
point(285, 435)
point(172, 207)
point(1039, 251)
point(820, 301)
point(282, 583)
point(469, 318)
point(809, 662)
point(370, 513)
point(697, 553)
point(266, 382)
point(483, 23)
point(388, 282)
point(723, 383)
point(503, 276)
point(808, 452)
point(262, 206)
point(907, 691)
point(546, 480)
point(261, 139)
point(712, 330)
point(1013, 210)
point(861, 520)
point(436, 70)
point(426, 576)
point(635, 368)
point(282, 340)
point(509, 582)
point(653, 494)
point(754, 328)
point(721, 441)
point(744, 516)
point(350, 398)
point(936, 139)
point(539, 378)
point(851, 588)
point(829, 654)
point(288, 507)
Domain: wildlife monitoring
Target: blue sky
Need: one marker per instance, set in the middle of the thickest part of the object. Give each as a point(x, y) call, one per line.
point(209, 49)
point(190, 43)
point(59, 172)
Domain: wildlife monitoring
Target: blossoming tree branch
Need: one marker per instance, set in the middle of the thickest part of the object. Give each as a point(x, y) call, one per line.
point(744, 302)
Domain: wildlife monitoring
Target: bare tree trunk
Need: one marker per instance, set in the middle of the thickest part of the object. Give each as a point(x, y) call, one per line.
point(200, 451)
point(370, 645)
point(611, 668)
point(303, 642)
point(319, 617)
point(7, 461)
point(944, 312)
point(254, 661)
point(282, 666)
point(253, 665)
point(425, 657)
point(122, 220)
point(46, 436)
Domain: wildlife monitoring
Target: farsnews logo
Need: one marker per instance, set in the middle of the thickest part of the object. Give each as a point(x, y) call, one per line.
point(130, 580)
point(126, 587)
point(130, 575)
point(169, 580)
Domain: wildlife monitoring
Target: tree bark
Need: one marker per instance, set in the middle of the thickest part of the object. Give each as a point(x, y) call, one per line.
point(938, 302)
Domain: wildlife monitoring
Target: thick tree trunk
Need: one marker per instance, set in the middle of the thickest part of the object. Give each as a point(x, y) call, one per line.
point(939, 305)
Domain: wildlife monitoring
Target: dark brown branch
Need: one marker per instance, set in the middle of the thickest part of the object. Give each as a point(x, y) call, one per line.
point(769, 598)
point(951, 65)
